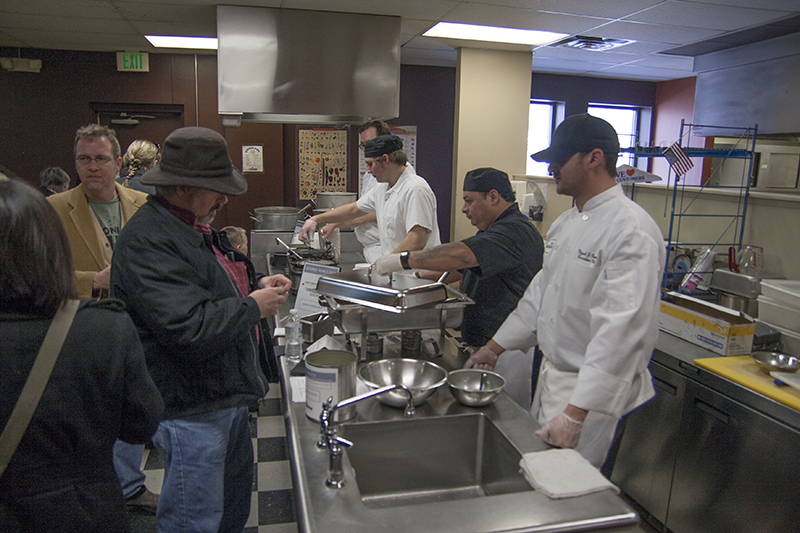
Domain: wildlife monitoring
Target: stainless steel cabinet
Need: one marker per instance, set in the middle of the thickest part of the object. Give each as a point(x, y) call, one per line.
point(650, 442)
point(737, 470)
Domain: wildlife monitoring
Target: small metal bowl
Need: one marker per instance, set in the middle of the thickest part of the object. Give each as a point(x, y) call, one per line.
point(465, 386)
point(775, 361)
point(421, 377)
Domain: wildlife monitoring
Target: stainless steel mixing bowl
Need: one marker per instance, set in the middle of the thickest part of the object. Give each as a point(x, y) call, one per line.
point(421, 377)
point(775, 361)
point(465, 386)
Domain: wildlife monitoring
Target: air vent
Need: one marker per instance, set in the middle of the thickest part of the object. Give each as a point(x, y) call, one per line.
point(596, 44)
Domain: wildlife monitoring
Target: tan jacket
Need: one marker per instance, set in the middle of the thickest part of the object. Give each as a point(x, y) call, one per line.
point(91, 251)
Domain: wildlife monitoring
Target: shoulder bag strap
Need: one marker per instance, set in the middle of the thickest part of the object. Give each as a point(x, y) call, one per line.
point(37, 380)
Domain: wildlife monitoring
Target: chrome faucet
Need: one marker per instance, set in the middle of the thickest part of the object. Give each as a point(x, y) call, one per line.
point(329, 436)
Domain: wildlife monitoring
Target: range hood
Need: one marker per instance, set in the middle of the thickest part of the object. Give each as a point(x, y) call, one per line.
point(306, 67)
point(748, 85)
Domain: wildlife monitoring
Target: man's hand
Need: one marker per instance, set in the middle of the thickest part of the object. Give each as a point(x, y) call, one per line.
point(269, 300)
point(327, 229)
point(278, 280)
point(102, 280)
point(307, 231)
point(386, 264)
point(561, 431)
point(483, 359)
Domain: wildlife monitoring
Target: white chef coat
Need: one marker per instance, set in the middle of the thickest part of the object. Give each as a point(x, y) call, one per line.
point(593, 308)
point(368, 234)
point(410, 202)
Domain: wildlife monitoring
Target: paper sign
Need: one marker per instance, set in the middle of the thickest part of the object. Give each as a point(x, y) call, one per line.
point(253, 158)
point(629, 174)
point(307, 300)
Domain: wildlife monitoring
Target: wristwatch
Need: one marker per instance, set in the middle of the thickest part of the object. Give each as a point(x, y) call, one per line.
point(404, 260)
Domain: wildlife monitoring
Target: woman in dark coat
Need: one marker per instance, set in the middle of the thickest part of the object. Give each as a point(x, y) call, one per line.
point(61, 477)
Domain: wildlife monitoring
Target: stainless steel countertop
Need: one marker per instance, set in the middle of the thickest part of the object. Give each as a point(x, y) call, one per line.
point(679, 355)
point(324, 509)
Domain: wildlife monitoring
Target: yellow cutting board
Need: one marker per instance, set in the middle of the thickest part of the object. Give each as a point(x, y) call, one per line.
point(743, 370)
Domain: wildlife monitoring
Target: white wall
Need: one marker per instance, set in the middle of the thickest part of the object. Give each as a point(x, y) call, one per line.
point(772, 221)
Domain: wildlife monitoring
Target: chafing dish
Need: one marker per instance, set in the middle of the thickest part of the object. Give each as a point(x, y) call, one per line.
point(395, 294)
point(360, 307)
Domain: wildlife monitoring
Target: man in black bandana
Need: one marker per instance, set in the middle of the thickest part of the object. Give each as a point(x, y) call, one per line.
point(495, 265)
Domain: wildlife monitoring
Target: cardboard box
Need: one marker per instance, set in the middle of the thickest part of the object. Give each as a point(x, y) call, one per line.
point(716, 328)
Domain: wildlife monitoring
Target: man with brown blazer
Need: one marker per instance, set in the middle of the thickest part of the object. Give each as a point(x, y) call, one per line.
point(92, 215)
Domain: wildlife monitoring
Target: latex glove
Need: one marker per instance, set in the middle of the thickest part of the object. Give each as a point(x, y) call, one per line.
point(306, 234)
point(561, 431)
point(386, 264)
point(483, 359)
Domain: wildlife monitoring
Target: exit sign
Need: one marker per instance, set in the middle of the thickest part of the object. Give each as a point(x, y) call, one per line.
point(133, 62)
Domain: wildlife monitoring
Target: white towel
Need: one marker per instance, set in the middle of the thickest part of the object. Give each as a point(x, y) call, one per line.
point(562, 473)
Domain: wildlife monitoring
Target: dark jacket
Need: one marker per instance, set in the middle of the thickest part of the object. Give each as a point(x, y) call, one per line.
point(61, 478)
point(197, 330)
point(135, 181)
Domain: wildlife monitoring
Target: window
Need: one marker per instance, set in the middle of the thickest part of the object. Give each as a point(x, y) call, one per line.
point(542, 118)
point(631, 123)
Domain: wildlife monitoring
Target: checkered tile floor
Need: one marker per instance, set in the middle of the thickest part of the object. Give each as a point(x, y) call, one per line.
point(273, 504)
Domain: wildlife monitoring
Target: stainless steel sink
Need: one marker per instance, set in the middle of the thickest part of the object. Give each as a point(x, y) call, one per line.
point(403, 462)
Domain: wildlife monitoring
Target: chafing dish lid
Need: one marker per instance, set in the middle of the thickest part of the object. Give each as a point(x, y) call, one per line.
point(394, 294)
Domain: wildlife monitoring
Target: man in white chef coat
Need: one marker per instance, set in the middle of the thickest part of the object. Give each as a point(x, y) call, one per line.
point(403, 202)
point(593, 308)
point(365, 227)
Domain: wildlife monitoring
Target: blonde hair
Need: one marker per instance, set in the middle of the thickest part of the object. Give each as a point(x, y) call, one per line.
point(236, 235)
point(140, 154)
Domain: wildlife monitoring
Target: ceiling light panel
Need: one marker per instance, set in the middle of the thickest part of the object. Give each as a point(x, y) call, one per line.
point(172, 41)
point(494, 34)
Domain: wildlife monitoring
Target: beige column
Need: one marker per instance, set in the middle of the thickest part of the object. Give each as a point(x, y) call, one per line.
point(493, 93)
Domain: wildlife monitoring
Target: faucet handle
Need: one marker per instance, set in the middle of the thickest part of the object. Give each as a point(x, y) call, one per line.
point(341, 440)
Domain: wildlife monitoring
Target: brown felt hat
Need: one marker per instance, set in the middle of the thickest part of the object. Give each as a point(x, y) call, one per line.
point(197, 157)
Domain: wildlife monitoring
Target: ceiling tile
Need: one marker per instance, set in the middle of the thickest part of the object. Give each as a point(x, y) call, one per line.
point(595, 8)
point(428, 43)
point(65, 24)
point(639, 31)
point(586, 56)
point(172, 13)
point(418, 9)
point(415, 26)
point(679, 13)
point(775, 5)
point(521, 18)
point(665, 61)
point(60, 8)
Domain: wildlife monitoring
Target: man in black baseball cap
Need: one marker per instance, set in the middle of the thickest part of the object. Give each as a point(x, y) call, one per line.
point(199, 309)
point(495, 265)
point(593, 308)
point(580, 140)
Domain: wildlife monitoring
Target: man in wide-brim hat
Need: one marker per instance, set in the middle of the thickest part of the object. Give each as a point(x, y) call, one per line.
point(198, 307)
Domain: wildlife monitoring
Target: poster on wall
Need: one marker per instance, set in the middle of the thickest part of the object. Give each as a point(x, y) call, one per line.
point(252, 158)
point(322, 161)
point(408, 134)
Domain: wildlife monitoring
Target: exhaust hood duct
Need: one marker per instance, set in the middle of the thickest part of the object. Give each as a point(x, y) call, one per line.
point(748, 85)
point(306, 67)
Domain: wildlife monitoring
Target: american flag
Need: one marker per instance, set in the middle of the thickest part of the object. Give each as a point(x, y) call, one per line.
point(678, 160)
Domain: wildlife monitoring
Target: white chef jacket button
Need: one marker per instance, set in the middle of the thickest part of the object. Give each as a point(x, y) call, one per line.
point(585, 216)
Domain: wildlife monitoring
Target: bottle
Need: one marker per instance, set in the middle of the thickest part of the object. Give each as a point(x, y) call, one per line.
point(699, 276)
point(294, 337)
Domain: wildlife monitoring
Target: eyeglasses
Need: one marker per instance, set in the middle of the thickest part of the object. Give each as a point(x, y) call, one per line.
point(361, 146)
point(83, 160)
